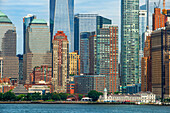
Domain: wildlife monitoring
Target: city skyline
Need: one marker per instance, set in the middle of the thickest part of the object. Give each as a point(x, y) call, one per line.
point(40, 8)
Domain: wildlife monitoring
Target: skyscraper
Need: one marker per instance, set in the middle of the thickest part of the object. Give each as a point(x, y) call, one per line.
point(158, 19)
point(87, 23)
point(84, 52)
point(9, 64)
point(26, 21)
point(62, 19)
point(142, 29)
point(37, 47)
point(129, 42)
point(107, 56)
point(60, 62)
point(74, 63)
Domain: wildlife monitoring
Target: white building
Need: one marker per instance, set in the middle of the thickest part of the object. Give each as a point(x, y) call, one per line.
point(143, 97)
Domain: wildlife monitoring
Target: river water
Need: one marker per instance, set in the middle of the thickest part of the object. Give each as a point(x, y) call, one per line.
point(81, 108)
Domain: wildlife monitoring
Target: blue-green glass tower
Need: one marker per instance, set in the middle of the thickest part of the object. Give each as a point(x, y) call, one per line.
point(129, 42)
point(62, 19)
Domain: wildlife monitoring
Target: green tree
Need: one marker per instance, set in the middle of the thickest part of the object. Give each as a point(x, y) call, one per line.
point(28, 97)
point(80, 96)
point(9, 96)
point(117, 92)
point(36, 96)
point(94, 95)
point(63, 96)
point(20, 97)
point(56, 97)
point(1, 96)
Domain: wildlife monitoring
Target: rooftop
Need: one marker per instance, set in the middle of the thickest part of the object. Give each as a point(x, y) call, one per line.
point(4, 18)
point(39, 21)
point(2, 14)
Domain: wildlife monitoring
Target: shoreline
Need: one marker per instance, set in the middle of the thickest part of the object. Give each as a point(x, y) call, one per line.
point(76, 102)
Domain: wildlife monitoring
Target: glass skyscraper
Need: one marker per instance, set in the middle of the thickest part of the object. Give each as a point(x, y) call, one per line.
point(62, 19)
point(84, 52)
point(142, 29)
point(26, 21)
point(87, 23)
point(129, 42)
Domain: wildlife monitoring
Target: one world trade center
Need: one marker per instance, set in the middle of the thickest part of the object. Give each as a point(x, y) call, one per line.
point(62, 19)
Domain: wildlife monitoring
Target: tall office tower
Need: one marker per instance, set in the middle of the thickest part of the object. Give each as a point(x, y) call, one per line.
point(129, 42)
point(62, 19)
point(158, 19)
point(146, 75)
point(142, 29)
point(87, 23)
point(37, 47)
point(20, 57)
point(26, 21)
point(107, 56)
point(160, 62)
point(84, 52)
point(9, 64)
point(74, 63)
point(60, 62)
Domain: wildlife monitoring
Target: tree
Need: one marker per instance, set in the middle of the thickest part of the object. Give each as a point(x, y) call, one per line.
point(20, 97)
point(56, 97)
point(116, 92)
point(80, 96)
point(9, 96)
point(94, 95)
point(28, 97)
point(36, 96)
point(1, 96)
point(63, 96)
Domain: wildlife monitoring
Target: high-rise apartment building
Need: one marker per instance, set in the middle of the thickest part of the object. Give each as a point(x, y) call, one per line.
point(62, 19)
point(60, 62)
point(37, 47)
point(158, 19)
point(107, 56)
point(129, 42)
point(142, 29)
point(26, 21)
point(87, 23)
point(74, 63)
point(9, 64)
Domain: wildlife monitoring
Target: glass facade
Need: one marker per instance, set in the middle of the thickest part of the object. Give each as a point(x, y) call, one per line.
point(84, 52)
point(26, 21)
point(87, 23)
point(129, 42)
point(62, 19)
point(142, 29)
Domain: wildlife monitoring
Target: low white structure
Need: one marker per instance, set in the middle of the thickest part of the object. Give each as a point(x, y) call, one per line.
point(143, 97)
point(38, 89)
point(86, 99)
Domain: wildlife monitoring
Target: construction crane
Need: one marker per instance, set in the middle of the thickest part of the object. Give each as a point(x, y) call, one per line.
point(157, 5)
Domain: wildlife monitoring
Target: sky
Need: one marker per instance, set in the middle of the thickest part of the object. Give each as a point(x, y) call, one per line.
point(17, 9)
